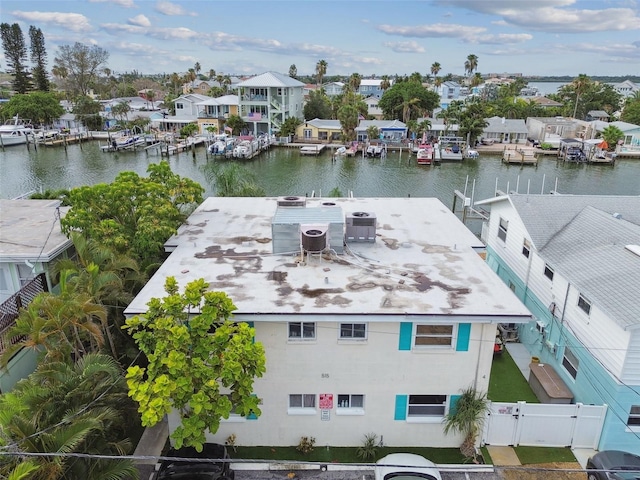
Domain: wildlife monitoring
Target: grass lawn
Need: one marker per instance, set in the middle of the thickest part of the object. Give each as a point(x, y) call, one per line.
point(531, 455)
point(507, 384)
point(343, 454)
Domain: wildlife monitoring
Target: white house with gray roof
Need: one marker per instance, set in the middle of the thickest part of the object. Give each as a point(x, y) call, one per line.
point(374, 313)
point(574, 261)
point(390, 130)
point(267, 100)
point(505, 130)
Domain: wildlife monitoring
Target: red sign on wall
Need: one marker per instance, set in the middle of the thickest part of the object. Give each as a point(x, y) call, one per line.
point(326, 401)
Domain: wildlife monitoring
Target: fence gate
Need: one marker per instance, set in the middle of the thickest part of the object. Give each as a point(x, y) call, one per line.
point(544, 425)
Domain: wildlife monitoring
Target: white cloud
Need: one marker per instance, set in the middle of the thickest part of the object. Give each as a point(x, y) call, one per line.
point(500, 38)
point(451, 30)
point(140, 20)
point(70, 21)
point(122, 3)
point(172, 9)
point(405, 47)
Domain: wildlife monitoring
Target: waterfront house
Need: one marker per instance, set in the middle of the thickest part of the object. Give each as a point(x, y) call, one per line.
point(574, 261)
point(505, 130)
point(551, 129)
point(448, 92)
point(626, 88)
point(319, 130)
point(333, 88)
point(373, 107)
point(30, 242)
point(600, 115)
point(374, 313)
point(439, 128)
point(544, 102)
point(214, 112)
point(371, 87)
point(389, 130)
point(267, 100)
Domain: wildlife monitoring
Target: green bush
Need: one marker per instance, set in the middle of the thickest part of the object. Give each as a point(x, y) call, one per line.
point(306, 444)
point(369, 447)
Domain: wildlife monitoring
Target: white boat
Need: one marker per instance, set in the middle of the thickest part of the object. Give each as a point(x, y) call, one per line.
point(242, 150)
point(15, 131)
point(424, 154)
point(472, 153)
point(222, 145)
point(451, 148)
point(376, 150)
point(47, 135)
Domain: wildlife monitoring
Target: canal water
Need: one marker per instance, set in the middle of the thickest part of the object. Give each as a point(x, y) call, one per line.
point(283, 171)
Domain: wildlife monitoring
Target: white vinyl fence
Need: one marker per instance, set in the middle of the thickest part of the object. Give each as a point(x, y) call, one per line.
point(544, 425)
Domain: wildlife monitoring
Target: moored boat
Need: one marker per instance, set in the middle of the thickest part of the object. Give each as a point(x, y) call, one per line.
point(15, 131)
point(424, 154)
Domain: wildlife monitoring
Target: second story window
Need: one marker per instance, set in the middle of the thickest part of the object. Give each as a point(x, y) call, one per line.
point(548, 272)
point(433, 336)
point(179, 106)
point(584, 304)
point(502, 229)
point(526, 248)
point(570, 362)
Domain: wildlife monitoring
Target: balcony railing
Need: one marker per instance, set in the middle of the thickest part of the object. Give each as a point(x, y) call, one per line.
point(10, 308)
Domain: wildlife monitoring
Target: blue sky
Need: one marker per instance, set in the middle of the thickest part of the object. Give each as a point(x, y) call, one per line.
point(533, 37)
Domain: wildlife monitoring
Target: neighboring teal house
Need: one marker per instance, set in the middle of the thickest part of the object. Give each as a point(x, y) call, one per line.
point(574, 261)
point(30, 241)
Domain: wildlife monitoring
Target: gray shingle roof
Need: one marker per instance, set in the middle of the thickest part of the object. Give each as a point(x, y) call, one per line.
point(545, 215)
point(271, 79)
point(590, 252)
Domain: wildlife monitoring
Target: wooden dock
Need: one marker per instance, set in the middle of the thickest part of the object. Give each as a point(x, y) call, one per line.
point(312, 149)
point(519, 156)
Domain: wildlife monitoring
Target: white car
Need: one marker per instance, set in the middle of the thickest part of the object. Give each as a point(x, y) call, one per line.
point(406, 466)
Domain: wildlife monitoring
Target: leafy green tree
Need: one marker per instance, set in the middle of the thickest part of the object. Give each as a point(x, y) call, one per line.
point(408, 100)
point(236, 123)
point(233, 180)
point(289, 126)
point(373, 132)
point(467, 417)
point(39, 59)
point(293, 71)
point(39, 107)
point(87, 110)
point(318, 106)
point(188, 130)
point(631, 113)
point(134, 215)
point(68, 408)
point(121, 111)
point(15, 53)
point(82, 64)
point(201, 363)
point(612, 135)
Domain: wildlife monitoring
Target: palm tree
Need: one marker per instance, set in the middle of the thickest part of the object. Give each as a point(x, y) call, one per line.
point(355, 79)
point(385, 84)
point(467, 417)
point(212, 74)
point(197, 68)
point(579, 84)
point(471, 64)
point(63, 407)
point(435, 69)
point(321, 70)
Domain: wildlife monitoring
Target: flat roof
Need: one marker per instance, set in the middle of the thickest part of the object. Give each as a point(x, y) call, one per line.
point(424, 262)
point(30, 230)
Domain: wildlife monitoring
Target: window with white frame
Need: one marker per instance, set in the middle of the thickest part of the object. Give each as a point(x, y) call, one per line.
point(302, 404)
point(570, 362)
point(350, 404)
point(433, 335)
point(548, 272)
point(426, 406)
point(179, 106)
point(25, 273)
point(634, 417)
point(503, 226)
point(526, 248)
point(584, 304)
point(353, 331)
point(302, 331)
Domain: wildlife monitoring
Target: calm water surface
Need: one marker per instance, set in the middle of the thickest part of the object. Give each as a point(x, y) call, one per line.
point(283, 171)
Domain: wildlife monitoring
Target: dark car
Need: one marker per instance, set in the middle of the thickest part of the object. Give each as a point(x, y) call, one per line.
point(613, 465)
point(196, 467)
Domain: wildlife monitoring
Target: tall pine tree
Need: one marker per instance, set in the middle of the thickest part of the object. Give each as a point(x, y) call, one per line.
point(15, 51)
point(38, 59)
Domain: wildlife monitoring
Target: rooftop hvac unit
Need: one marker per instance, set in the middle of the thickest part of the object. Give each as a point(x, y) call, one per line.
point(292, 201)
point(313, 238)
point(361, 227)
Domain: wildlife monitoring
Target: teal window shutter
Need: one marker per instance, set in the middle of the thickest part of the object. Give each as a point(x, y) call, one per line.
point(401, 407)
point(464, 332)
point(453, 402)
point(252, 416)
point(406, 329)
point(253, 340)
